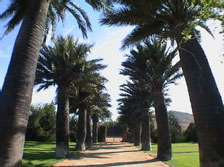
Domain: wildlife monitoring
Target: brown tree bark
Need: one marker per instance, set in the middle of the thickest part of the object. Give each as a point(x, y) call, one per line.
point(82, 129)
point(164, 152)
point(137, 135)
point(18, 85)
point(62, 123)
point(206, 103)
point(102, 133)
point(95, 128)
point(89, 136)
point(146, 135)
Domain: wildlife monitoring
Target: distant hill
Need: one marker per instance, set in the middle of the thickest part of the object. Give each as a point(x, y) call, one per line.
point(184, 119)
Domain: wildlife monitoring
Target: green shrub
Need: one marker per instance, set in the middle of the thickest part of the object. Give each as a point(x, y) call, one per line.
point(42, 123)
point(191, 133)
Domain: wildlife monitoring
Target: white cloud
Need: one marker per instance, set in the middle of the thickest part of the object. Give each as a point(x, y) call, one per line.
point(44, 96)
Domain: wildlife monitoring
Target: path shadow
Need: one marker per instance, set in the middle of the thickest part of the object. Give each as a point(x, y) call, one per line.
point(78, 156)
point(114, 147)
point(106, 147)
point(114, 152)
point(116, 164)
point(39, 155)
point(92, 155)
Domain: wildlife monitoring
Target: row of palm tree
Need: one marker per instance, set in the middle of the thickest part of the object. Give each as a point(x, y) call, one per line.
point(178, 21)
point(134, 106)
point(37, 18)
point(78, 82)
point(150, 70)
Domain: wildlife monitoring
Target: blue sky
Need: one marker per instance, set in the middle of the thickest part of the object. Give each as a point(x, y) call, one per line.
point(107, 42)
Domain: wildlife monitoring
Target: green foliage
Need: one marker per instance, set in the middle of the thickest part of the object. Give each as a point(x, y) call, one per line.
point(191, 133)
point(148, 65)
point(66, 64)
point(61, 64)
point(102, 133)
point(175, 20)
point(175, 129)
point(115, 129)
point(73, 127)
point(41, 125)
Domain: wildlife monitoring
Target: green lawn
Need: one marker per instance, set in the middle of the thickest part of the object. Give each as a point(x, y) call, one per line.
point(184, 155)
point(40, 154)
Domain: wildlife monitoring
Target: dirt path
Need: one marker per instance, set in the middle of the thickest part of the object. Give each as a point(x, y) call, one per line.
point(112, 153)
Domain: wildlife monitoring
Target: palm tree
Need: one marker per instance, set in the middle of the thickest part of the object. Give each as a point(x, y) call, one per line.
point(138, 94)
point(18, 85)
point(129, 114)
point(161, 73)
point(152, 63)
point(97, 105)
point(88, 88)
point(177, 20)
point(62, 65)
point(99, 110)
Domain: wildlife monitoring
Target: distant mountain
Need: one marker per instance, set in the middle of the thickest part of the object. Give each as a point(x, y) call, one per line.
point(184, 119)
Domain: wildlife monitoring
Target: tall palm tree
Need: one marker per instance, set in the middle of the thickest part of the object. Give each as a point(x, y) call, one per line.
point(62, 65)
point(152, 63)
point(138, 94)
point(177, 20)
point(130, 115)
point(88, 88)
point(18, 85)
point(97, 105)
point(162, 73)
point(99, 110)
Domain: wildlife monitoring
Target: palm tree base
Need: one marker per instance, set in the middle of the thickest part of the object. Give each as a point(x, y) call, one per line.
point(81, 147)
point(164, 157)
point(146, 147)
point(62, 150)
point(136, 144)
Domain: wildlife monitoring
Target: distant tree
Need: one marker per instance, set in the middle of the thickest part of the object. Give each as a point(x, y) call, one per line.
point(41, 125)
point(154, 133)
point(191, 133)
point(73, 127)
point(134, 107)
point(175, 128)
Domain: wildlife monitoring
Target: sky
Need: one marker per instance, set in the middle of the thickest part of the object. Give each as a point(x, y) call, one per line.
point(107, 43)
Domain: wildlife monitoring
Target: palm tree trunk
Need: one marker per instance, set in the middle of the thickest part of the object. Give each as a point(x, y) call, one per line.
point(206, 103)
point(146, 135)
point(62, 124)
point(89, 137)
point(137, 135)
point(82, 129)
point(18, 85)
point(95, 128)
point(164, 152)
point(102, 133)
